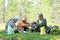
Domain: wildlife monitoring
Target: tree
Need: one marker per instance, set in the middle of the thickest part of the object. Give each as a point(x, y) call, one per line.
point(5, 7)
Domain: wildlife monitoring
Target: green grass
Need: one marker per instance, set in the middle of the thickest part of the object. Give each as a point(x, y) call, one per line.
point(27, 36)
point(30, 36)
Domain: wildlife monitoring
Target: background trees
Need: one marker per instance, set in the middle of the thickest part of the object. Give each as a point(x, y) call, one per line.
point(31, 9)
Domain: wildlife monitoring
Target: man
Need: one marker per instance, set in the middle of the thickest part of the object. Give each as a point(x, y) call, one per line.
point(23, 24)
point(11, 25)
point(41, 22)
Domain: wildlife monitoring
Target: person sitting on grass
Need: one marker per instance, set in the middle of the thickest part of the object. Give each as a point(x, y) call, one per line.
point(42, 24)
point(23, 24)
point(11, 26)
point(33, 26)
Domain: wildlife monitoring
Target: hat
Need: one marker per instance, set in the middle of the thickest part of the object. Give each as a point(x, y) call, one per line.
point(16, 17)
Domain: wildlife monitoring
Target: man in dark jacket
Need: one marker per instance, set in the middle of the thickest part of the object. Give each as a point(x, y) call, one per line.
point(41, 22)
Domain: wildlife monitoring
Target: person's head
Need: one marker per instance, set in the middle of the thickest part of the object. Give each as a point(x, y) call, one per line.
point(40, 16)
point(23, 18)
point(16, 19)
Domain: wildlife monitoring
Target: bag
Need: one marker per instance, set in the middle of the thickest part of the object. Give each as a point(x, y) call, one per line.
point(10, 30)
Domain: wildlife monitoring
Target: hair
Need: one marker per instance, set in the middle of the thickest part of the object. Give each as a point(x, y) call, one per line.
point(40, 15)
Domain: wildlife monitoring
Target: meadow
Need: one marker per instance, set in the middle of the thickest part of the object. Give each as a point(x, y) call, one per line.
point(28, 36)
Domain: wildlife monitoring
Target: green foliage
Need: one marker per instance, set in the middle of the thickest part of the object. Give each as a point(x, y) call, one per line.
point(29, 36)
point(31, 9)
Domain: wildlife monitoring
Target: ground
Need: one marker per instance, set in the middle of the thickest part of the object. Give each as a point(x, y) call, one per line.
point(29, 36)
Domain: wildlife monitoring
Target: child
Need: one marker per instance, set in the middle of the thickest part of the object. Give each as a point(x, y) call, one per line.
point(34, 27)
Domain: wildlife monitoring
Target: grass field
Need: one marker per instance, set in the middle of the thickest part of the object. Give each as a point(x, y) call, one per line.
point(26, 36)
point(29, 36)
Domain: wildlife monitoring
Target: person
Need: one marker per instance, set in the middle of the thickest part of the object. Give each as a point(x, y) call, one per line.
point(33, 26)
point(41, 23)
point(23, 24)
point(11, 26)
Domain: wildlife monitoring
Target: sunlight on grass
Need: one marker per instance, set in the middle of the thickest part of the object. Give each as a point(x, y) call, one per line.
point(2, 26)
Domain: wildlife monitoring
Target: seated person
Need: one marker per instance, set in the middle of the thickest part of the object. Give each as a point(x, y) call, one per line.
point(41, 22)
point(11, 25)
point(33, 26)
point(23, 24)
